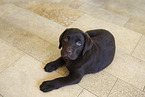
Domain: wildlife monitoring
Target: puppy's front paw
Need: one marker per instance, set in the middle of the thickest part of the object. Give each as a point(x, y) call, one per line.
point(47, 86)
point(49, 67)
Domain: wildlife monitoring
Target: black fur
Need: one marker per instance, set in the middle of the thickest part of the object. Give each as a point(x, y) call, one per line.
point(82, 53)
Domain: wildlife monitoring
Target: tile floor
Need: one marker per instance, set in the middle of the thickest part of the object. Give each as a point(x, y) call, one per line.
point(29, 32)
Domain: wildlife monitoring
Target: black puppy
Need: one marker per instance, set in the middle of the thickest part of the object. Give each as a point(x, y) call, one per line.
point(82, 53)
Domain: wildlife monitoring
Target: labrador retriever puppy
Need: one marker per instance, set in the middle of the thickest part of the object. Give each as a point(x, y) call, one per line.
point(82, 53)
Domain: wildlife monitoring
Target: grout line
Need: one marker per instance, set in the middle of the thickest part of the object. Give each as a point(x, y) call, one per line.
point(91, 92)
point(88, 90)
point(130, 55)
point(126, 82)
point(28, 32)
point(30, 4)
point(80, 92)
point(12, 63)
point(24, 55)
point(127, 22)
point(137, 44)
point(112, 87)
point(5, 19)
point(24, 9)
point(28, 53)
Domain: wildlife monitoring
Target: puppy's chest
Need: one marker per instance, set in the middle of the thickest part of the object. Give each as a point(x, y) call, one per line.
point(68, 64)
point(71, 65)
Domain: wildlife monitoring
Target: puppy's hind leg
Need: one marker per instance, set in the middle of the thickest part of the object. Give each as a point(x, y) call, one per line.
point(93, 33)
point(54, 65)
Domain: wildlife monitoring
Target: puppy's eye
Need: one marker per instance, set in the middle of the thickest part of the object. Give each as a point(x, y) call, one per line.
point(66, 39)
point(78, 43)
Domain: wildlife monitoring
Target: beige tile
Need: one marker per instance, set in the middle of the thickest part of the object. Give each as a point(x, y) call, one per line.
point(139, 3)
point(24, 3)
point(8, 9)
point(37, 25)
point(100, 83)
point(97, 3)
point(126, 40)
point(63, 70)
point(136, 25)
point(31, 44)
point(139, 52)
point(55, 12)
point(1, 95)
point(21, 80)
point(129, 69)
point(52, 1)
point(8, 55)
point(20, 3)
point(40, 49)
point(13, 34)
point(122, 89)
point(103, 14)
point(5, 29)
point(1, 3)
point(125, 9)
point(86, 93)
point(71, 3)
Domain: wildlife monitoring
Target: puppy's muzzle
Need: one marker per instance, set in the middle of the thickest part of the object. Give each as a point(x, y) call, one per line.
point(68, 52)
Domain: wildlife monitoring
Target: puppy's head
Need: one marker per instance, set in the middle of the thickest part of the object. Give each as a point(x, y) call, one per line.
point(74, 43)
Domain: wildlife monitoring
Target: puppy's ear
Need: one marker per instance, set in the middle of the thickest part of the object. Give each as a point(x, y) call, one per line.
point(60, 39)
point(88, 43)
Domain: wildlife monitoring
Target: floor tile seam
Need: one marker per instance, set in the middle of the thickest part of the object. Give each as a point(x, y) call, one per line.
point(28, 55)
point(104, 21)
point(16, 59)
point(14, 3)
point(91, 3)
point(80, 92)
point(125, 82)
point(129, 54)
point(44, 18)
point(137, 44)
point(130, 5)
point(14, 12)
point(91, 92)
point(54, 21)
point(60, 73)
point(129, 19)
point(129, 28)
point(12, 64)
point(100, 19)
point(25, 53)
point(24, 9)
point(109, 12)
point(5, 19)
point(112, 87)
point(87, 90)
point(33, 35)
point(31, 3)
point(41, 62)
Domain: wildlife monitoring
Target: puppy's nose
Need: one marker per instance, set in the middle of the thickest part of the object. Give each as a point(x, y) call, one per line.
point(69, 51)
